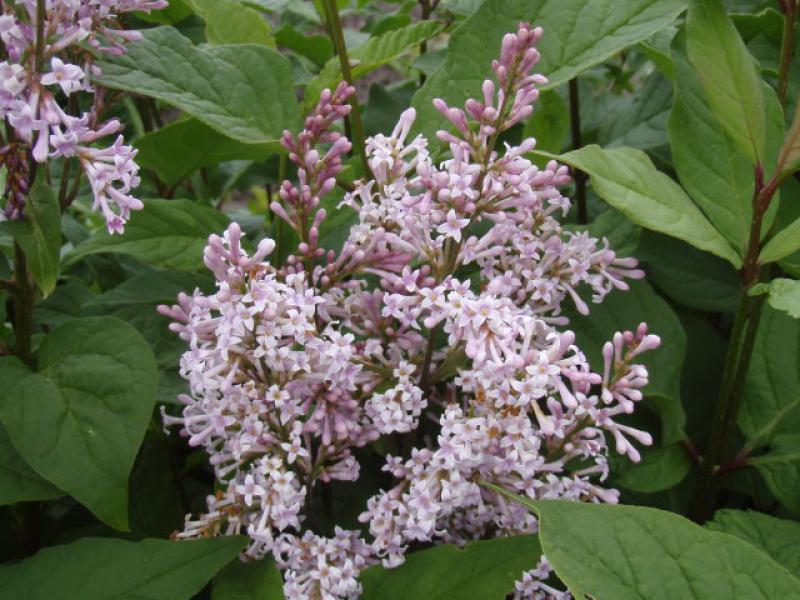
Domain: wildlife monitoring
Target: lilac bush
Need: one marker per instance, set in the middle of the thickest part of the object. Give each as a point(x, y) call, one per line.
point(355, 300)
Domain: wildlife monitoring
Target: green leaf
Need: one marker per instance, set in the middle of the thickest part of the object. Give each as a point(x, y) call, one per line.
point(660, 469)
point(152, 287)
point(80, 419)
point(179, 149)
point(710, 166)
point(18, 481)
point(780, 469)
point(257, 580)
point(622, 234)
point(782, 244)
point(111, 569)
point(789, 157)
point(176, 12)
point(729, 76)
point(689, 276)
point(244, 91)
point(644, 124)
point(230, 22)
point(578, 35)
point(622, 311)
point(783, 294)
point(385, 105)
point(770, 412)
point(633, 552)
point(716, 173)
point(772, 387)
point(628, 181)
point(317, 48)
point(779, 538)
point(656, 48)
point(65, 304)
point(167, 233)
point(376, 52)
point(39, 235)
point(156, 507)
point(484, 570)
point(549, 123)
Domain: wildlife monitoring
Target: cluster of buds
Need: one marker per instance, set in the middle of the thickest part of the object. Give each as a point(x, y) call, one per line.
point(435, 324)
point(316, 174)
point(41, 44)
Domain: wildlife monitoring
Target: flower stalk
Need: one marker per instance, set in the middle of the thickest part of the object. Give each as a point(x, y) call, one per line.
point(789, 8)
point(575, 124)
point(737, 362)
point(337, 37)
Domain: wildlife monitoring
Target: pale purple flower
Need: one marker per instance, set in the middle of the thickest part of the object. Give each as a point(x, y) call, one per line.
point(451, 226)
point(63, 74)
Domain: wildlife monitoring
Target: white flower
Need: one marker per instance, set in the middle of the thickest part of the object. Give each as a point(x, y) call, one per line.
point(452, 226)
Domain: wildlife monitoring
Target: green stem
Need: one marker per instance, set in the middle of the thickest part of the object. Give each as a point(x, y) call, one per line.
point(24, 290)
point(426, 9)
point(737, 363)
point(575, 121)
point(40, 19)
point(337, 37)
point(23, 307)
point(787, 47)
point(278, 224)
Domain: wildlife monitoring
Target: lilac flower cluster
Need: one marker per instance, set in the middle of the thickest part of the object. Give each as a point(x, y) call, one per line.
point(439, 315)
point(36, 73)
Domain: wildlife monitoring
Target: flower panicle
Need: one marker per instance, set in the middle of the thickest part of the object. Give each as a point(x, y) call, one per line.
point(29, 97)
point(445, 306)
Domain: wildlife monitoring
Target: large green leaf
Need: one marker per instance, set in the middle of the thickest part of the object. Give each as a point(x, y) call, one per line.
point(644, 124)
point(39, 235)
point(152, 287)
point(622, 234)
point(713, 169)
point(317, 48)
point(18, 481)
point(780, 468)
point(628, 181)
point(784, 243)
point(729, 76)
point(780, 538)
point(622, 311)
point(230, 22)
point(549, 123)
point(80, 419)
point(167, 233)
point(376, 52)
point(772, 389)
point(179, 149)
point(244, 91)
point(770, 413)
point(689, 276)
point(483, 570)
point(111, 569)
point(660, 469)
point(157, 509)
point(783, 294)
point(578, 35)
point(631, 552)
point(258, 580)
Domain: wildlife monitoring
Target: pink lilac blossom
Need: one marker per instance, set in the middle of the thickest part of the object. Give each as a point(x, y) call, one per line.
point(291, 367)
point(30, 96)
